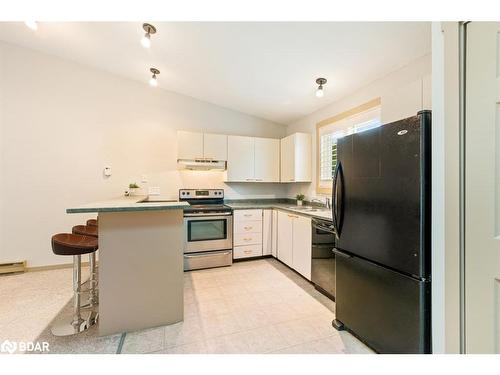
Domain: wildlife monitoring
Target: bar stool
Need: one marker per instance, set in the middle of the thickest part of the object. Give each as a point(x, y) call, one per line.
point(74, 245)
point(92, 222)
point(90, 231)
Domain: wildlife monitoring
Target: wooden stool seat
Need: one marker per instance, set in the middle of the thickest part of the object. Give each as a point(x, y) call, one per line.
point(85, 230)
point(73, 244)
point(92, 222)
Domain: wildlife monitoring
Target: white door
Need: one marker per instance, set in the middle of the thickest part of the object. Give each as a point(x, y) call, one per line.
point(288, 159)
point(215, 146)
point(274, 234)
point(267, 160)
point(267, 230)
point(240, 158)
point(482, 188)
point(302, 246)
point(285, 234)
point(189, 145)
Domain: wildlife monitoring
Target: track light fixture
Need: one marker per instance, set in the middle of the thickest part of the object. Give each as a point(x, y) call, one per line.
point(146, 39)
point(154, 81)
point(319, 91)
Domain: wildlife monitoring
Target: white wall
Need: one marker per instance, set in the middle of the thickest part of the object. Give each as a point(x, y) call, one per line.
point(402, 93)
point(62, 122)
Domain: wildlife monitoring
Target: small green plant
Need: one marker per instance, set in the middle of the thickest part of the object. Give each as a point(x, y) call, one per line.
point(300, 197)
point(133, 186)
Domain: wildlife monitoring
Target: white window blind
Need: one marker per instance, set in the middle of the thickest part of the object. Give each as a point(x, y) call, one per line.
point(329, 135)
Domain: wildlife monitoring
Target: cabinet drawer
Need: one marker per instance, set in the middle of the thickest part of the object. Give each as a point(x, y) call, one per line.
point(247, 239)
point(243, 215)
point(247, 251)
point(250, 226)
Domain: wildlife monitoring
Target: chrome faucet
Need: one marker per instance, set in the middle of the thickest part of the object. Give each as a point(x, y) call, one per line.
point(326, 202)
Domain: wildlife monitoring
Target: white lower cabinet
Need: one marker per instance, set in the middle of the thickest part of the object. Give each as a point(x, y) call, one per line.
point(301, 259)
point(267, 232)
point(247, 233)
point(285, 240)
point(294, 242)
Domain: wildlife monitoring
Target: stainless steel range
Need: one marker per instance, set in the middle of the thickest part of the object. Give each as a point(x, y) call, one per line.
point(208, 229)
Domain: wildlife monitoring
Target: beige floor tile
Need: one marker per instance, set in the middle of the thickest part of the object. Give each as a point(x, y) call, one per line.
point(264, 340)
point(228, 344)
point(218, 325)
point(186, 332)
point(146, 341)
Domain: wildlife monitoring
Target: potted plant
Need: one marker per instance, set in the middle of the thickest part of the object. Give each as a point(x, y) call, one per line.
point(132, 188)
point(300, 199)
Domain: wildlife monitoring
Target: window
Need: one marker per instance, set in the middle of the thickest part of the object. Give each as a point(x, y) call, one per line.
point(359, 119)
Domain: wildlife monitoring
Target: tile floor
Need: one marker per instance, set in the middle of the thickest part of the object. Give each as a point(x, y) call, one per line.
point(252, 307)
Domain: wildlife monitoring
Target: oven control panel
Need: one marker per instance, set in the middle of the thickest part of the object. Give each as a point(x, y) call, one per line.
point(201, 193)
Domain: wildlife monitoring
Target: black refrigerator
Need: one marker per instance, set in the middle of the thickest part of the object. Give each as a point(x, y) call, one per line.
point(382, 216)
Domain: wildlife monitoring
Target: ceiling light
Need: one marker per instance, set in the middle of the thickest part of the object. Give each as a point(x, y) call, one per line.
point(146, 39)
point(154, 81)
point(32, 25)
point(319, 91)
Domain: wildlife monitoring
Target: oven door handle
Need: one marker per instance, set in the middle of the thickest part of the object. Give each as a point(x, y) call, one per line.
point(208, 214)
point(203, 255)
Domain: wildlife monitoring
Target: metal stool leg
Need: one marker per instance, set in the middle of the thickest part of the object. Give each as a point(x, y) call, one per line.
point(78, 324)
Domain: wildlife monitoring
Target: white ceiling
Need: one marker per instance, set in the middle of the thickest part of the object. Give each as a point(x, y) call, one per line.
point(263, 69)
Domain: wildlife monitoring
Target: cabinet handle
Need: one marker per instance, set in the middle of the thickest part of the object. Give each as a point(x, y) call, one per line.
point(248, 251)
point(247, 215)
point(293, 216)
point(248, 228)
point(247, 239)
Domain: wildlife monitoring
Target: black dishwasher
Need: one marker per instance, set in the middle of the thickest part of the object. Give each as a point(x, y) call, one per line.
point(323, 257)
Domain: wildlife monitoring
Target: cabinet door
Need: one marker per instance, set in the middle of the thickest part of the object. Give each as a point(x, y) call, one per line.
point(267, 159)
point(240, 158)
point(215, 146)
point(189, 145)
point(285, 244)
point(267, 230)
point(274, 234)
point(302, 157)
point(287, 159)
point(302, 246)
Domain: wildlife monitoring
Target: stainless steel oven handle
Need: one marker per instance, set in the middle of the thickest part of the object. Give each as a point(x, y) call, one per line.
point(215, 253)
point(208, 214)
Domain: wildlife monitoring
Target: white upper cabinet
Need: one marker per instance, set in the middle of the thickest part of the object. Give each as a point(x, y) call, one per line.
point(189, 145)
point(296, 158)
point(240, 158)
point(215, 146)
point(252, 159)
point(267, 160)
point(195, 145)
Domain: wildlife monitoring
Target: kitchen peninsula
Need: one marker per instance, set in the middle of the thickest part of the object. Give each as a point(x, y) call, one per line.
point(140, 262)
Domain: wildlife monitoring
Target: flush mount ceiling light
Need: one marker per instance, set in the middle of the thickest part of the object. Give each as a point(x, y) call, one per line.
point(154, 81)
point(319, 91)
point(32, 25)
point(146, 39)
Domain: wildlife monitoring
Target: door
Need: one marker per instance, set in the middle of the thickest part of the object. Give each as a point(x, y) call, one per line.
point(482, 188)
point(285, 241)
point(383, 202)
point(240, 158)
point(189, 145)
point(267, 230)
point(205, 233)
point(274, 234)
point(322, 256)
point(267, 160)
point(215, 146)
point(288, 159)
point(387, 309)
point(301, 258)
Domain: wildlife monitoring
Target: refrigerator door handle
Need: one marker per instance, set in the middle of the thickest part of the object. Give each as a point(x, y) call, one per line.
point(337, 201)
point(340, 253)
point(340, 199)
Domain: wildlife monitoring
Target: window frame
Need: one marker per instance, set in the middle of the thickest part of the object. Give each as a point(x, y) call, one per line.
point(372, 104)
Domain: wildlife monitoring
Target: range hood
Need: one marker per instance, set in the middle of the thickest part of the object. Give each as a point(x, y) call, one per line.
point(201, 164)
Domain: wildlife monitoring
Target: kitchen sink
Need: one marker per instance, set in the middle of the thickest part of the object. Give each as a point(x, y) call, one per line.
point(307, 208)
